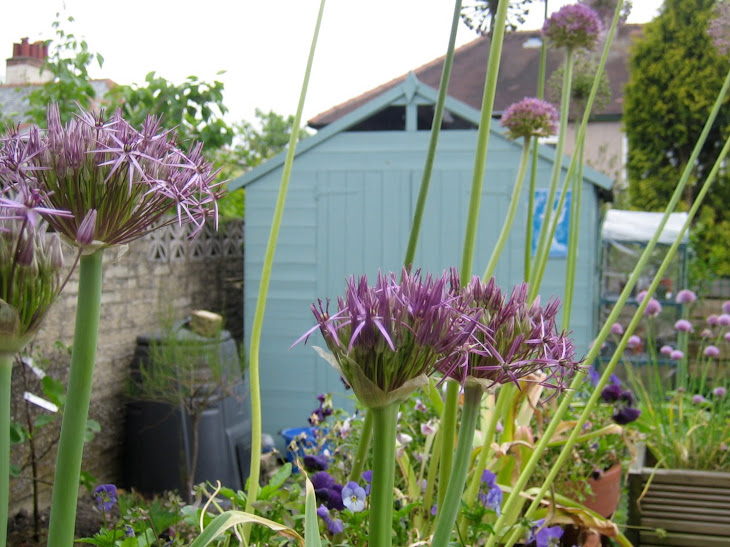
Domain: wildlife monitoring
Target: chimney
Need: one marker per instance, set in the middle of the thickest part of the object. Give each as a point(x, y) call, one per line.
point(24, 67)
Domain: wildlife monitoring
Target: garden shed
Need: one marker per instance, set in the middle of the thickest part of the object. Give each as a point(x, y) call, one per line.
point(351, 200)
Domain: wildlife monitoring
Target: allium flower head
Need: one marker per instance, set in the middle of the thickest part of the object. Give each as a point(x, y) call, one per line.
point(712, 351)
point(633, 342)
point(530, 117)
point(386, 339)
point(719, 27)
point(682, 325)
point(118, 182)
point(676, 355)
point(573, 26)
point(726, 306)
point(724, 319)
point(30, 264)
point(685, 296)
point(653, 308)
point(517, 338)
point(106, 496)
point(617, 329)
point(666, 350)
point(698, 399)
point(719, 391)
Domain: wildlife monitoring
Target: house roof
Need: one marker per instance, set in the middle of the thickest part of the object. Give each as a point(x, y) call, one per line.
point(14, 102)
point(408, 91)
point(517, 75)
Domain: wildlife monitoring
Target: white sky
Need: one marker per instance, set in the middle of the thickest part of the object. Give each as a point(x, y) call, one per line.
point(261, 44)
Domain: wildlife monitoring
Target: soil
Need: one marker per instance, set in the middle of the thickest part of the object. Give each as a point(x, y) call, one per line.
point(21, 531)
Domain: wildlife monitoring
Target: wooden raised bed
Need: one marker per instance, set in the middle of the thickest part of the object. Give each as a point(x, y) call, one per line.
point(681, 507)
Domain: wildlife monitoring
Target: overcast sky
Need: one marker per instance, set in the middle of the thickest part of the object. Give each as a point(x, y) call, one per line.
point(261, 44)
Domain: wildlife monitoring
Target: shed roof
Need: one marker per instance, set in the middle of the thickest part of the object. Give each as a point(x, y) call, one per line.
point(409, 90)
point(517, 74)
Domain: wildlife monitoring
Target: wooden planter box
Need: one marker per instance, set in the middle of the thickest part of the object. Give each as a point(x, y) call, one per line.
point(691, 507)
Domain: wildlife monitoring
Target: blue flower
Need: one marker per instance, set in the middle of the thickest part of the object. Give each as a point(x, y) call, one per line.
point(367, 476)
point(128, 531)
point(106, 496)
point(316, 463)
point(335, 526)
point(353, 497)
point(543, 535)
point(490, 494)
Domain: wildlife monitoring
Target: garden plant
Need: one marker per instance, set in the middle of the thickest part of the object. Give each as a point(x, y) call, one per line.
point(465, 389)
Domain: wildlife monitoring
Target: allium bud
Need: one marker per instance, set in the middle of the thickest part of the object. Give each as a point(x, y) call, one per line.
point(617, 329)
point(653, 308)
point(530, 117)
point(685, 296)
point(573, 26)
point(682, 325)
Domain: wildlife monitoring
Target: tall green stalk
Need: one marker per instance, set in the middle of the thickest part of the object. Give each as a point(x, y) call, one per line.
point(78, 396)
point(385, 421)
point(510, 508)
point(472, 222)
point(258, 320)
point(452, 501)
point(514, 201)
point(363, 446)
point(6, 371)
point(571, 264)
point(544, 244)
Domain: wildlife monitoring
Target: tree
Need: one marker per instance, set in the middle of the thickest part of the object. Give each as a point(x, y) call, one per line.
point(675, 76)
point(479, 15)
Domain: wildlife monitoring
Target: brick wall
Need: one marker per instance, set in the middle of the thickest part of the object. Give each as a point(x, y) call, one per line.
point(164, 273)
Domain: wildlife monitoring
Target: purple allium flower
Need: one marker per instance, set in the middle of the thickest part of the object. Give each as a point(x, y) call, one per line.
point(633, 341)
point(131, 178)
point(106, 496)
point(573, 26)
point(544, 536)
point(642, 294)
point(683, 325)
point(489, 492)
point(726, 336)
point(653, 308)
point(726, 306)
point(334, 526)
point(712, 351)
point(530, 117)
point(516, 338)
point(666, 350)
point(617, 329)
point(724, 319)
point(706, 333)
point(353, 497)
point(719, 391)
point(676, 355)
point(719, 27)
point(316, 463)
point(713, 320)
point(30, 259)
point(698, 399)
point(626, 415)
point(385, 338)
point(611, 394)
point(686, 296)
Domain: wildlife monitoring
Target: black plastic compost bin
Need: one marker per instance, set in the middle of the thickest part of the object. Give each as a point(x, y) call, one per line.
point(158, 436)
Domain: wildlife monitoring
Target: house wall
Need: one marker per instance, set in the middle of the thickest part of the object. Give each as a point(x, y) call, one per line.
point(604, 148)
point(349, 210)
point(165, 273)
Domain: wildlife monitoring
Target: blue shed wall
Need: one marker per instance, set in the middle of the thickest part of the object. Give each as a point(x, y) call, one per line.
point(349, 210)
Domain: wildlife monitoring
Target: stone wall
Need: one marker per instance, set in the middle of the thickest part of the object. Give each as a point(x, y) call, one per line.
point(166, 273)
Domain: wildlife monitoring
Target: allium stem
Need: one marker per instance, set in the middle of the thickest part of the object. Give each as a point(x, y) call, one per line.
point(452, 502)
point(385, 420)
point(363, 447)
point(73, 427)
point(574, 232)
point(514, 202)
point(448, 426)
point(6, 370)
point(258, 320)
point(438, 116)
point(543, 246)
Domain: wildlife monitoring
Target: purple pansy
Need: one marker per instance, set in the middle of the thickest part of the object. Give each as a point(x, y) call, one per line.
point(316, 463)
point(353, 497)
point(544, 536)
point(334, 526)
point(106, 496)
point(626, 415)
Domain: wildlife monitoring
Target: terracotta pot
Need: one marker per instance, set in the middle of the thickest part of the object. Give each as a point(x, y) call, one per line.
point(606, 492)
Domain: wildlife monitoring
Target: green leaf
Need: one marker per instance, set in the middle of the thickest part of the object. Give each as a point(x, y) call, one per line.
point(276, 482)
point(311, 524)
point(18, 433)
point(229, 519)
point(44, 419)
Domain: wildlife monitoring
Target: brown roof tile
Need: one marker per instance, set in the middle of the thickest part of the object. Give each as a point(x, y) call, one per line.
point(517, 75)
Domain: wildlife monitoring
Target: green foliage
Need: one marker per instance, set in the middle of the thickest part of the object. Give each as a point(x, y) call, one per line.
point(675, 76)
point(584, 72)
point(68, 61)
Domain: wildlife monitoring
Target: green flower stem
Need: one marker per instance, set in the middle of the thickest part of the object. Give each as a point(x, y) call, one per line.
point(570, 266)
point(472, 223)
point(508, 516)
point(78, 396)
point(258, 320)
point(363, 448)
point(544, 244)
point(533, 170)
point(6, 371)
point(452, 502)
point(514, 202)
point(438, 117)
point(433, 467)
point(385, 420)
point(448, 426)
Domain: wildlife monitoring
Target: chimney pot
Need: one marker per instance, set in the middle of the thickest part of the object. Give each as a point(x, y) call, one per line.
point(24, 47)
